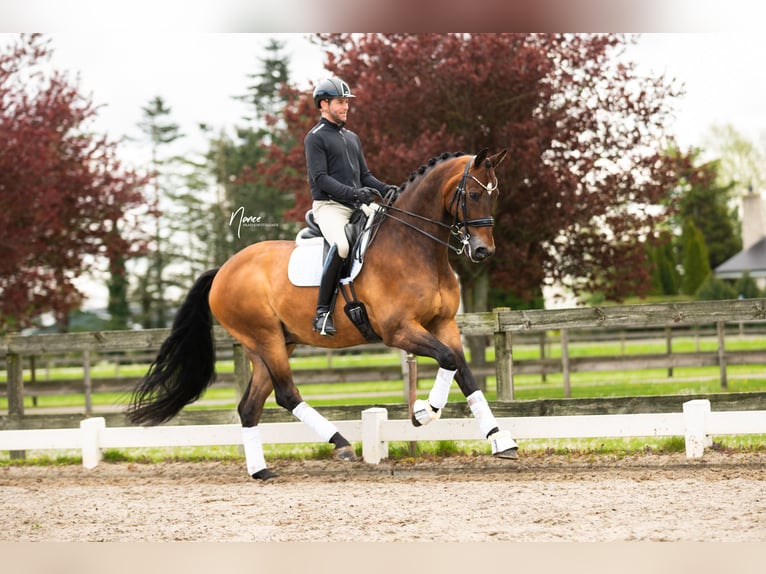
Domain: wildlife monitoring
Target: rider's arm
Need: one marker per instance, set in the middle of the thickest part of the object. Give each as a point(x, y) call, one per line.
point(366, 177)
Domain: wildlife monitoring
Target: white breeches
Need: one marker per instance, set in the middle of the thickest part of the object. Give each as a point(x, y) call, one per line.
point(332, 217)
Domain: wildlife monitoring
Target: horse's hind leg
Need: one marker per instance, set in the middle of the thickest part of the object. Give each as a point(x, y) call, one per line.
point(288, 397)
point(250, 410)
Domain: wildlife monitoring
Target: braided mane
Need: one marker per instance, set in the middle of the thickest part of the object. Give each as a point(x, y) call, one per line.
point(425, 167)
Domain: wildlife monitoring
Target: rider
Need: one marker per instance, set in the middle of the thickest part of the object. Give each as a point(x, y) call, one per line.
point(340, 182)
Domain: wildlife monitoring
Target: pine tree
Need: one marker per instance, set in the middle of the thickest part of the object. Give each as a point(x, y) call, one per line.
point(205, 216)
point(152, 292)
point(695, 259)
point(266, 93)
point(117, 286)
point(664, 275)
point(706, 202)
point(248, 194)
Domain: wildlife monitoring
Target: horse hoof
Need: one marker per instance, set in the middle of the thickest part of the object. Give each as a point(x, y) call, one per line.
point(264, 474)
point(344, 453)
point(509, 453)
point(423, 413)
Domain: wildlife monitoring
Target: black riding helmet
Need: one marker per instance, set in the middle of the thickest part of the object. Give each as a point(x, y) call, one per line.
point(331, 88)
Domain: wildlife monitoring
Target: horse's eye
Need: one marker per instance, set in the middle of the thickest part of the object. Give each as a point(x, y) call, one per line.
point(475, 195)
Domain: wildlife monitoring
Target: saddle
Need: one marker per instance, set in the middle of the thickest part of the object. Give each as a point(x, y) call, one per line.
point(311, 250)
point(354, 229)
point(311, 230)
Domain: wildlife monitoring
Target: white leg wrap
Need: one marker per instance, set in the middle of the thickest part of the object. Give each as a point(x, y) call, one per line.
point(320, 425)
point(440, 391)
point(501, 441)
point(424, 413)
point(480, 409)
point(251, 439)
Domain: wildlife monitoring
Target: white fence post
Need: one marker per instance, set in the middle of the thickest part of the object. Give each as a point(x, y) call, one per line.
point(91, 450)
point(695, 415)
point(373, 448)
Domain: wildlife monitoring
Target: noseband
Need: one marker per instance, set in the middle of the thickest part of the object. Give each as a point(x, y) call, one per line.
point(459, 228)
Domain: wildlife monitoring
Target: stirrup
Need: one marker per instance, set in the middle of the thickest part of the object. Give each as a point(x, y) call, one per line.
point(323, 324)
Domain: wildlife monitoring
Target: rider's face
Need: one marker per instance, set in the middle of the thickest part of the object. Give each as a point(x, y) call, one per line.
point(336, 110)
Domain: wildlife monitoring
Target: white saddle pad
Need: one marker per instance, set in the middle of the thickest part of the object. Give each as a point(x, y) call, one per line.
point(305, 266)
point(307, 259)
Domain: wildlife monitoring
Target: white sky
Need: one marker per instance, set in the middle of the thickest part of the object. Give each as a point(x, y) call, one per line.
point(723, 76)
point(198, 73)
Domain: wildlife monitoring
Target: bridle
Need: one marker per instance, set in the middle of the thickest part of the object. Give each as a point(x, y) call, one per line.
point(459, 228)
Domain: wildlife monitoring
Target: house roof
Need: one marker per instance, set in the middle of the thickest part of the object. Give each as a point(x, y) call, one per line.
point(752, 259)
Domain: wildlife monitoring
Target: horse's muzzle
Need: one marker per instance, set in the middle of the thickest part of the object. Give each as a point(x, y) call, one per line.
point(480, 252)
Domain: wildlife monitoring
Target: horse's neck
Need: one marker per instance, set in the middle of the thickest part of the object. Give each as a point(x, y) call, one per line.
point(425, 203)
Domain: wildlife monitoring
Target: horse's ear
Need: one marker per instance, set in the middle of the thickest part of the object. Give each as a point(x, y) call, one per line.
point(498, 158)
point(480, 157)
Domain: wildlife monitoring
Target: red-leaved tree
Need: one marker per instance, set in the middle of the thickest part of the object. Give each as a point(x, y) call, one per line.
point(63, 193)
point(587, 179)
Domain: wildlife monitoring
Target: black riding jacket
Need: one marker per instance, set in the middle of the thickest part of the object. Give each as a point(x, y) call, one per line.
point(336, 164)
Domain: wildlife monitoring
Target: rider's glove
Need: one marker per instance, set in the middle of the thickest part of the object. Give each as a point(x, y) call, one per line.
point(365, 195)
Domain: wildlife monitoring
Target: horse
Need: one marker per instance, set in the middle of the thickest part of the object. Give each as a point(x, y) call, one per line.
point(452, 196)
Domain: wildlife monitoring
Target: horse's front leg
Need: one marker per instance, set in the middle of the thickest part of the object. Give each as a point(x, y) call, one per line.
point(447, 349)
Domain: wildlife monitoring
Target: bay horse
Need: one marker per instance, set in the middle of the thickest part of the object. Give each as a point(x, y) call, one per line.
point(407, 284)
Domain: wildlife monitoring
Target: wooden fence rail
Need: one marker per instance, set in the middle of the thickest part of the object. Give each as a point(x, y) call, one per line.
point(503, 323)
point(503, 326)
point(35, 387)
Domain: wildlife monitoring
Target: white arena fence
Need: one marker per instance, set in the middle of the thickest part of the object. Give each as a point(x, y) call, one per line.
point(697, 424)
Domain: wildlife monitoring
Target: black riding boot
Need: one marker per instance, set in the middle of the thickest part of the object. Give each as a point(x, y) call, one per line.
point(333, 265)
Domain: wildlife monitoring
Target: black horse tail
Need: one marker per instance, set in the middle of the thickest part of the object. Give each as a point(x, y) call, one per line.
point(185, 364)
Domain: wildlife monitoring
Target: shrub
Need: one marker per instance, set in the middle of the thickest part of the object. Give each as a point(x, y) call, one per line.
point(715, 289)
point(746, 287)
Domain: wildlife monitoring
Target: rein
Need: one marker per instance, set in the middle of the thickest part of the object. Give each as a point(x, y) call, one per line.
point(456, 229)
